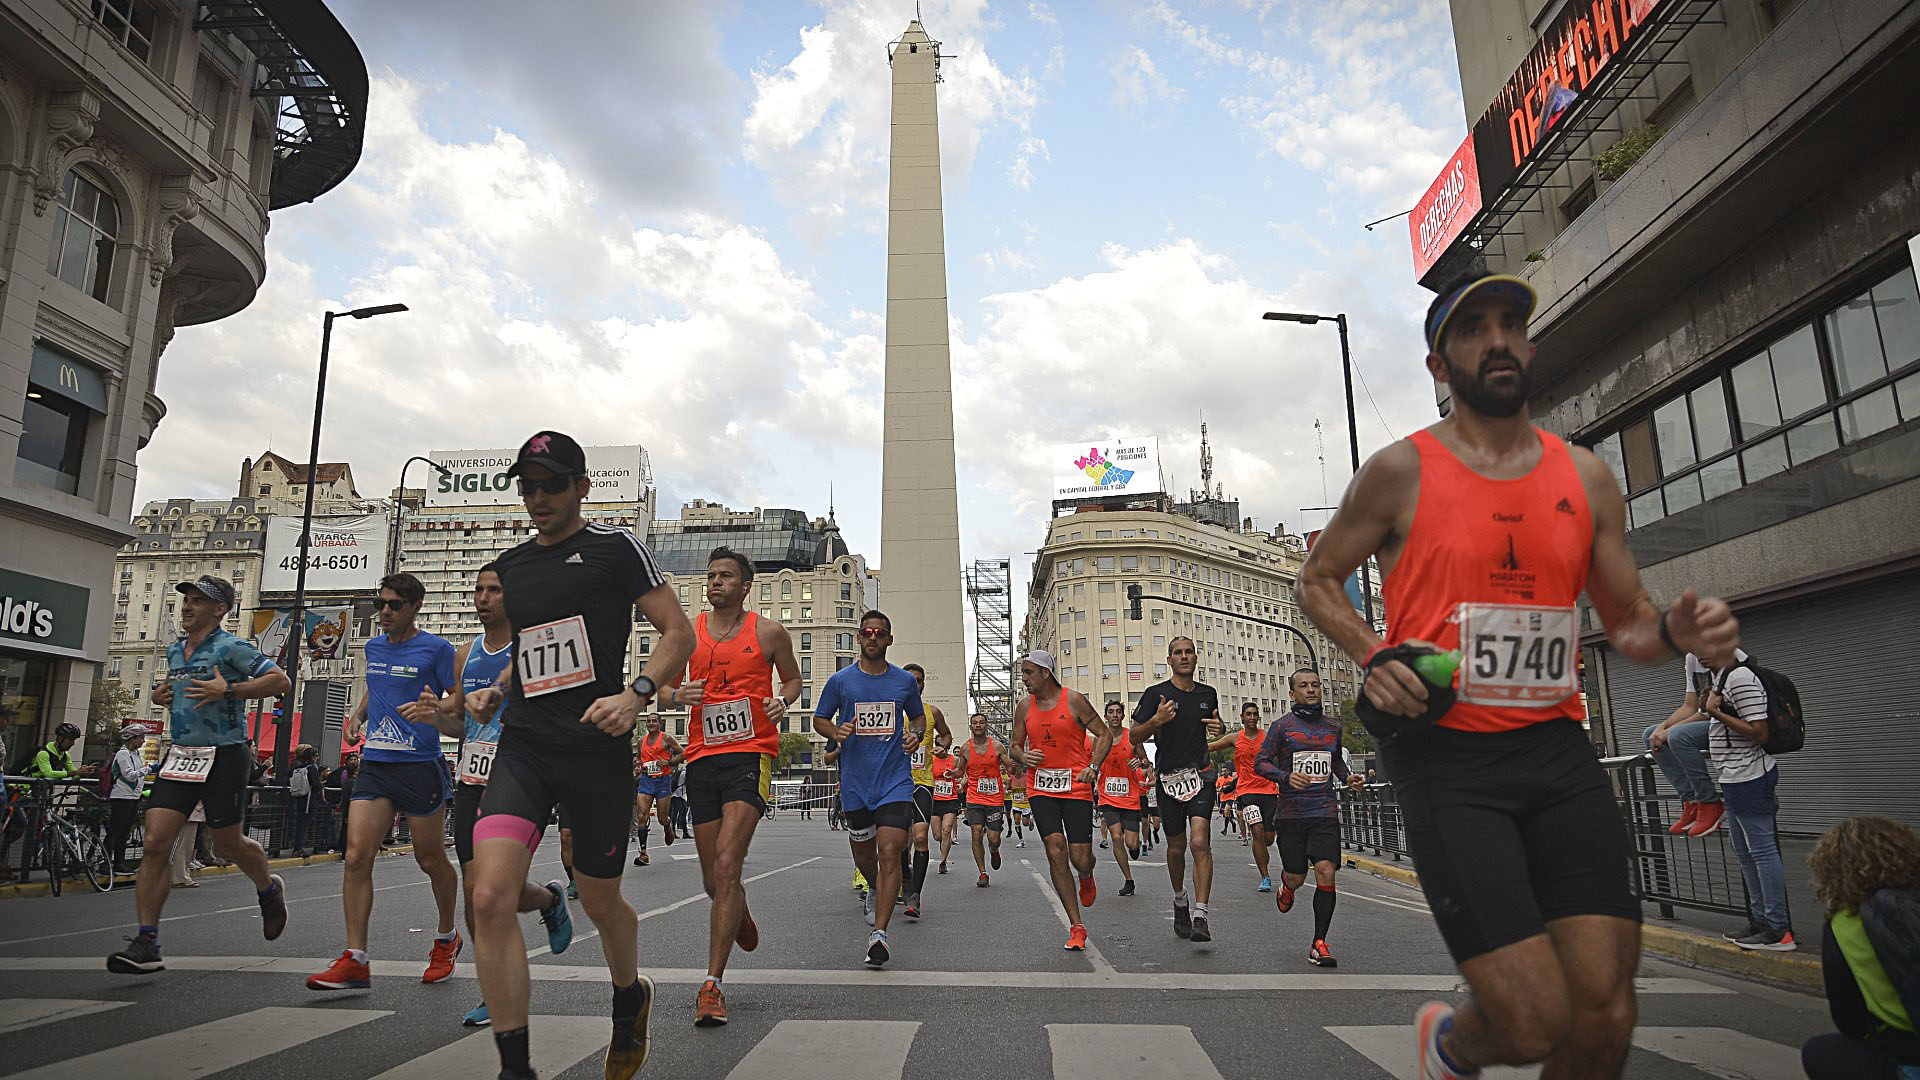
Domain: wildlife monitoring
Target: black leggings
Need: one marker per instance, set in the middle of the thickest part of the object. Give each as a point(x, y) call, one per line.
point(1834, 1056)
point(120, 817)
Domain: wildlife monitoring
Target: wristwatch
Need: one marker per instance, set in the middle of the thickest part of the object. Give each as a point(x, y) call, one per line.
point(644, 687)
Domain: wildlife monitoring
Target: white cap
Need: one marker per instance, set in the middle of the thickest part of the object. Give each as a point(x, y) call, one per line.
point(1041, 658)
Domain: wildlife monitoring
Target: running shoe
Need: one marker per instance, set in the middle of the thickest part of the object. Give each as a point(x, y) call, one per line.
point(1076, 938)
point(1182, 921)
point(273, 908)
point(625, 1057)
point(345, 974)
point(1284, 898)
point(943, 866)
point(1200, 931)
point(558, 920)
point(994, 859)
point(866, 906)
point(877, 954)
point(913, 906)
point(1318, 956)
point(1753, 926)
point(747, 937)
point(1266, 885)
point(440, 960)
point(1770, 940)
point(1428, 1023)
point(642, 859)
point(1708, 819)
point(1127, 889)
point(140, 957)
point(711, 1008)
point(982, 883)
point(666, 833)
point(1689, 813)
point(476, 1016)
point(573, 891)
point(1019, 843)
point(1088, 891)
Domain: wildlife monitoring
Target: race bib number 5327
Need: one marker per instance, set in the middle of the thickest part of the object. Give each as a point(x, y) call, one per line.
point(1517, 655)
point(875, 718)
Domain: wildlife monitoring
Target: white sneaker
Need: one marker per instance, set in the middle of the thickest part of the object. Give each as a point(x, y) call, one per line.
point(1426, 1027)
point(867, 905)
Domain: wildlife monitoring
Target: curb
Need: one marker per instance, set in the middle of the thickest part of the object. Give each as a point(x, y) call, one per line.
point(1794, 969)
point(125, 881)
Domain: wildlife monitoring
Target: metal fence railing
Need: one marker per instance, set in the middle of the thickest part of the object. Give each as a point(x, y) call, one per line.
point(1700, 873)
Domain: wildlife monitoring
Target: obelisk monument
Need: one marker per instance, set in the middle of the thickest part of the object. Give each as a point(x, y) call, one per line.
point(919, 505)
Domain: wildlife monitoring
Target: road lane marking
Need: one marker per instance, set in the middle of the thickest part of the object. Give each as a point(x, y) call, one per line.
point(1403, 905)
point(830, 1050)
point(678, 904)
point(1392, 1048)
point(1106, 1051)
point(558, 1043)
point(204, 1049)
point(20, 1013)
point(1093, 954)
point(1163, 980)
point(1722, 1052)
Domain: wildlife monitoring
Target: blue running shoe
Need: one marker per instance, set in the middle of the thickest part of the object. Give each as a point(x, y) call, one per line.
point(558, 920)
point(477, 1017)
point(1266, 885)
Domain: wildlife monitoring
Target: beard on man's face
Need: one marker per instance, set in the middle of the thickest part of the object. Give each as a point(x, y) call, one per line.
point(1500, 401)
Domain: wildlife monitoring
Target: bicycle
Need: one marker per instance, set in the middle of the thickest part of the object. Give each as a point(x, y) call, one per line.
point(75, 848)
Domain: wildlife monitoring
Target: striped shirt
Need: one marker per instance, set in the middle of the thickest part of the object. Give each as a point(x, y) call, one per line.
point(1735, 757)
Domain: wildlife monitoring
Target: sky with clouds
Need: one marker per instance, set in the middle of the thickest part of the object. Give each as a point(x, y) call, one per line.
point(664, 223)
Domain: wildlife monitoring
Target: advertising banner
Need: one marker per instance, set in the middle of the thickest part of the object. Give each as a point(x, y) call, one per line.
point(269, 631)
point(325, 634)
point(1129, 465)
point(1451, 202)
point(479, 477)
point(348, 554)
point(42, 614)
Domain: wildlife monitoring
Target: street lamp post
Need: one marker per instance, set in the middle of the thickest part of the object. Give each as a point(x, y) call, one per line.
point(399, 508)
point(296, 626)
point(1353, 428)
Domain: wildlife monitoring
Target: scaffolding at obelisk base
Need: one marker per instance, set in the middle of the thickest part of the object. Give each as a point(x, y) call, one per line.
point(990, 684)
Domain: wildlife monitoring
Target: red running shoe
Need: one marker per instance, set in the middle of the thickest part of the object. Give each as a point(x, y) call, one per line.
point(1088, 891)
point(345, 974)
point(440, 961)
point(1283, 899)
point(1076, 938)
point(748, 938)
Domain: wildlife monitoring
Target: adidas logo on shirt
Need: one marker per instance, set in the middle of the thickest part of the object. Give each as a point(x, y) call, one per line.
point(575, 558)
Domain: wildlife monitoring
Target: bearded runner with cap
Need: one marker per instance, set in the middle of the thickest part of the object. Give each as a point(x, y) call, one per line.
point(733, 736)
point(1050, 739)
point(913, 863)
point(1179, 716)
point(873, 710)
point(1301, 758)
point(566, 740)
point(983, 766)
point(1487, 530)
point(210, 674)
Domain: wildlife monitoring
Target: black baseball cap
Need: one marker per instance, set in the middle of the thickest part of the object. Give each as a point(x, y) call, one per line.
point(218, 589)
point(552, 451)
point(1515, 291)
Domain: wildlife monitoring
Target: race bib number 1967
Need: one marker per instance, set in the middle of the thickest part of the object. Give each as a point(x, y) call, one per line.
point(188, 764)
point(1517, 655)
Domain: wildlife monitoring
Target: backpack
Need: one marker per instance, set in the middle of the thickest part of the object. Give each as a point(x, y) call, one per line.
point(1786, 728)
point(300, 784)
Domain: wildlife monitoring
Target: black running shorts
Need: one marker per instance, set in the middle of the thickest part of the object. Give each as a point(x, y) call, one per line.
point(717, 779)
point(223, 792)
point(592, 790)
point(1174, 813)
point(893, 815)
point(1128, 820)
point(922, 803)
point(1052, 814)
point(991, 818)
point(416, 788)
point(1267, 807)
point(1510, 830)
point(943, 807)
point(466, 811)
point(1306, 841)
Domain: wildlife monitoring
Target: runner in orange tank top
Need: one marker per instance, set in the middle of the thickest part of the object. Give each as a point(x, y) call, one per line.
point(1118, 795)
point(1487, 530)
point(660, 754)
point(1050, 740)
point(982, 765)
point(733, 736)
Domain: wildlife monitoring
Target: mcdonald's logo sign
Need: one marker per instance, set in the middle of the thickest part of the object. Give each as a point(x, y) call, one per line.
point(69, 378)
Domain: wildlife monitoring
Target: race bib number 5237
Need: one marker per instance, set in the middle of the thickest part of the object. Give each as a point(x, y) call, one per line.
point(1517, 655)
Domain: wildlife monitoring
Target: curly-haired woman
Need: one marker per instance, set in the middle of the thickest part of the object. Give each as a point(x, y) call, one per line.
point(1866, 870)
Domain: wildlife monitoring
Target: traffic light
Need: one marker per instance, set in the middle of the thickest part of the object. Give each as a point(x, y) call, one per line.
point(1133, 602)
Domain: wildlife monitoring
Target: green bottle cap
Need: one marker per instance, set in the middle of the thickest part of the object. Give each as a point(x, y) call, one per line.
point(1438, 668)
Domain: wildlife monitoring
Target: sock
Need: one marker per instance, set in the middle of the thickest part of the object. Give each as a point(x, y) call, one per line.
point(1440, 1047)
point(1180, 899)
point(1199, 910)
point(643, 838)
point(715, 980)
point(513, 1051)
point(906, 866)
point(920, 860)
point(626, 1009)
point(359, 955)
point(151, 933)
point(1323, 898)
point(446, 938)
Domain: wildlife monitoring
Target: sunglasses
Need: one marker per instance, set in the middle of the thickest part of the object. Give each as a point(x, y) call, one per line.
point(552, 485)
point(870, 632)
point(394, 604)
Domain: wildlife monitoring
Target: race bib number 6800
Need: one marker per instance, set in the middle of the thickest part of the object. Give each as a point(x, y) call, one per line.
point(1517, 655)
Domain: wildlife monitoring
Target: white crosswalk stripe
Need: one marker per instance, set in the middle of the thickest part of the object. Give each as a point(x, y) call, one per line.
point(1718, 1052)
point(1107, 1051)
point(19, 1013)
point(557, 1043)
point(207, 1048)
point(830, 1050)
point(1391, 1048)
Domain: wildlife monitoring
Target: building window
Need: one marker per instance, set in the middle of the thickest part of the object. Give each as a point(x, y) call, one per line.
point(84, 228)
point(806, 614)
point(846, 591)
point(209, 99)
point(646, 646)
point(129, 22)
point(1577, 202)
point(53, 440)
point(806, 667)
point(806, 591)
point(806, 641)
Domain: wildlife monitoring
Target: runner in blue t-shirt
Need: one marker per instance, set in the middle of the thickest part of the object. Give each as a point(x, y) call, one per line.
point(401, 770)
point(210, 676)
point(873, 710)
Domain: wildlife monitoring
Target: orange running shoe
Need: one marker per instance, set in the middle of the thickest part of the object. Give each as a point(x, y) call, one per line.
point(345, 974)
point(440, 961)
point(711, 1010)
point(1076, 939)
point(1087, 891)
point(748, 938)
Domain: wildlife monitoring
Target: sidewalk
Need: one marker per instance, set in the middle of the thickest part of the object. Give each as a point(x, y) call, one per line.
point(1693, 937)
point(125, 881)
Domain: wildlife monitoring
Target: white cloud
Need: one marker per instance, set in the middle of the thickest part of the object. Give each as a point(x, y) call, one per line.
point(1137, 81)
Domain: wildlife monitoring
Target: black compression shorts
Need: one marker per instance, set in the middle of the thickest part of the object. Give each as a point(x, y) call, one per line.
point(894, 815)
point(922, 803)
point(1052, 814)
point(593, 791)
point(223, 792)
point(1306, 841)
point(466, 811)
point(1261, 810)
point(1127, 819)
point(717, 779)
point(1511, 830)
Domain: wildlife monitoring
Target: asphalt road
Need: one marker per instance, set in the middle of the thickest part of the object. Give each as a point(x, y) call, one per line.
point(978, 988)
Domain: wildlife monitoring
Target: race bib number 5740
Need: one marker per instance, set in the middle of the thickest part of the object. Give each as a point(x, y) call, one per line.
point(1517, 655)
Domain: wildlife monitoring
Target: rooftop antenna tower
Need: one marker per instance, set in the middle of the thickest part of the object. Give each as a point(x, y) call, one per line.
point(1321, 435)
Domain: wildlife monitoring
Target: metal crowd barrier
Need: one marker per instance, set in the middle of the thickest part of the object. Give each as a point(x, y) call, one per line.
point(1700, 873)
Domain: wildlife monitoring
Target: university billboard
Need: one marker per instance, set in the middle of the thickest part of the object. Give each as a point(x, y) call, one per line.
point(479, 477)
point(1128, 465)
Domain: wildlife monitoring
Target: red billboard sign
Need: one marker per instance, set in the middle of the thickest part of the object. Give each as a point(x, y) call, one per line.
point(1450, 202)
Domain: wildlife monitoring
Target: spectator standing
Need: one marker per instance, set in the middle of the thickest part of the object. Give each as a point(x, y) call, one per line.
point(1866, 870)
point(1737, 707)
point(303, 784)
point(1679, 747)
point(130, 773)
point(325, 809)
point(680, 823)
